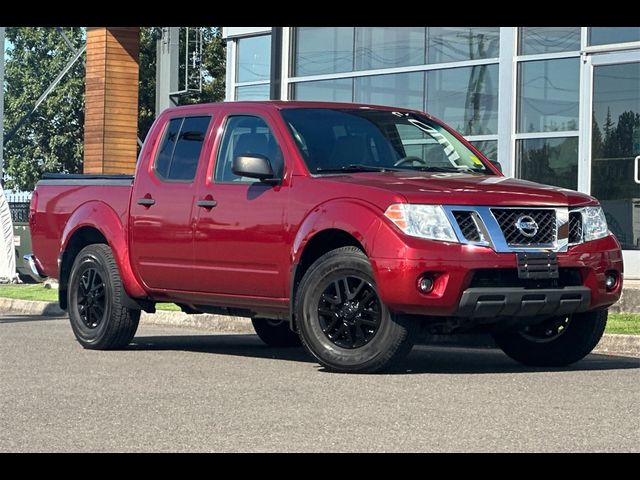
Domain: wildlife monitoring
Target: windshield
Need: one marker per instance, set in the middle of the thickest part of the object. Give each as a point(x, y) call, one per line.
point(340, 140)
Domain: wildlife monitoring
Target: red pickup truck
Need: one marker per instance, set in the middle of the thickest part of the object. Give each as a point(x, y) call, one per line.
point(354, 229)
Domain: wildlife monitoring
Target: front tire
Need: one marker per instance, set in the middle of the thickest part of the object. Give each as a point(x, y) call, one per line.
point(275, 333)
point(342, 321)
point(94, 298)
point(557, 342)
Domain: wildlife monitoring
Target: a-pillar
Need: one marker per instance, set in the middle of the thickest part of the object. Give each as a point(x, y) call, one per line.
point(111, 101)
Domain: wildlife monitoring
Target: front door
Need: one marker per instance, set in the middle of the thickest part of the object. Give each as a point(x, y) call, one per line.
point(241, 240)
point(613, 85)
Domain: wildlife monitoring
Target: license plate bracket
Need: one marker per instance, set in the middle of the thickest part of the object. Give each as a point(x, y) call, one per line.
point(537, 266)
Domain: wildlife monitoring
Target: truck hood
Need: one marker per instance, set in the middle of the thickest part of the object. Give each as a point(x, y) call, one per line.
point(467, 189)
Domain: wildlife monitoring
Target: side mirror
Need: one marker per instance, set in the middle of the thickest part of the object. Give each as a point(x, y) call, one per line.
point(497, 165)
point(254, 165)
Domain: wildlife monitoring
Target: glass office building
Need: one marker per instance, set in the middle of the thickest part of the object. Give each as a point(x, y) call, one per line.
point(556, 105)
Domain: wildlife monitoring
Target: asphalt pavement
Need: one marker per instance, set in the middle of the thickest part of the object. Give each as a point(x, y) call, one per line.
point(181, 389)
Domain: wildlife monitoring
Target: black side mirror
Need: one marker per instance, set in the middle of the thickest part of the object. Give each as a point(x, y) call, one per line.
point(497, 165)
point(254, 165)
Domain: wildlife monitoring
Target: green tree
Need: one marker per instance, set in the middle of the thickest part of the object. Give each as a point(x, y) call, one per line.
point(51, 140)
point(147, 81)
point(596, 138)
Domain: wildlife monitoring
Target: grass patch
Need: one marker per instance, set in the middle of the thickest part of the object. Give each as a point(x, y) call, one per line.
point(29, 292)
point(172, 307)
point(626, 323)
point(41, 294)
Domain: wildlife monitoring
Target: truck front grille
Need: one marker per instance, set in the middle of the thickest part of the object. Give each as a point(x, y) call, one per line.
point(575, 227)
point(467, 226)
point(544, 236)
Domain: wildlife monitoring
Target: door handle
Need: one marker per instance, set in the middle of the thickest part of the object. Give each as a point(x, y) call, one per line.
point(208, 203)
point(146, 201)
point(636, 168)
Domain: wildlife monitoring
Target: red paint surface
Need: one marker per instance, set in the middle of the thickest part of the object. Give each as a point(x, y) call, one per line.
point(241, 252)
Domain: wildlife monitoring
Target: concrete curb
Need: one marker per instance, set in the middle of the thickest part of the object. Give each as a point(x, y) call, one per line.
point(629, 300)
point(611, 344)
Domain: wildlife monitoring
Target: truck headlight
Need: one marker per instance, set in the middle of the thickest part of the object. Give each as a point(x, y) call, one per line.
point(594, 223)
point(424, 221)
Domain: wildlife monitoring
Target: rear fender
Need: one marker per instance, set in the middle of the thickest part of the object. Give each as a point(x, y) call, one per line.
point(103, 218)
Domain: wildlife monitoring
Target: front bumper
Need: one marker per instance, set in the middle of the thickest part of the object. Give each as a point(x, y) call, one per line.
point(522, 302)
point(453, 266)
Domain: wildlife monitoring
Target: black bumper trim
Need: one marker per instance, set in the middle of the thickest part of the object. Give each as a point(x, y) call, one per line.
point(522, 302)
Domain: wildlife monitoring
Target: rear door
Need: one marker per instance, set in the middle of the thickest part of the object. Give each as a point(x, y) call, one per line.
point(162, 206)
point(241, 243)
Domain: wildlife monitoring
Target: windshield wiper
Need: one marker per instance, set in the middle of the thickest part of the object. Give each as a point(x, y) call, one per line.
point(357, 167)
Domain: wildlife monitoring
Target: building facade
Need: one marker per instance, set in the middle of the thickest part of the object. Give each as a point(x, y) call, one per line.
point(556, 105)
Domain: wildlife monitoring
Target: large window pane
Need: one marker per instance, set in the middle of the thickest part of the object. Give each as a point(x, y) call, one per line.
point(387, 47)
point(399, 90)
point(253, 92)
point(604, 35)
point(548, 95)
point(465, 98)
point(536, 40)
point(254, 58)
point(451, 44)
point(187, 152)
point(488, 147)
point(340, 90)
point(320, 50)
point(615, 142)
point(552, 161)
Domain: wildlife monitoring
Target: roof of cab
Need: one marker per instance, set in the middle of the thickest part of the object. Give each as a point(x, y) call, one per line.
point(285, 104)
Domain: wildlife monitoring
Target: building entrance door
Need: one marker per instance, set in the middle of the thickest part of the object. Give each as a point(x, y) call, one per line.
point(611, 119)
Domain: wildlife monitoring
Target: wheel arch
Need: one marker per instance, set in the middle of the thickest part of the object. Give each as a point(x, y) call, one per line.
point(347, 222)
point(95, 222)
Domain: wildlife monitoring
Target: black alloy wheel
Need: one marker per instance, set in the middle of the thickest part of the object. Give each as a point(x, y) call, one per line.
point(91, 298)
point(342, 319)
point(349, 311)
point(95, 300)
point(546, 331)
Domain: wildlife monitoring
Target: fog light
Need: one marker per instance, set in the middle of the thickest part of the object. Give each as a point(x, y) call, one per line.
point(425, 284)
point(611, 281)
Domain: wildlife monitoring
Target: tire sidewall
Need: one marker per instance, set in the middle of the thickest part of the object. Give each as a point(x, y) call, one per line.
point(581, 336)
point(88, 258)
point(309, 324)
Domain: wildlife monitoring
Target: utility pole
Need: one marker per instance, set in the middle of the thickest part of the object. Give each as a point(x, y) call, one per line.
point(167, 46)
point(1, 104)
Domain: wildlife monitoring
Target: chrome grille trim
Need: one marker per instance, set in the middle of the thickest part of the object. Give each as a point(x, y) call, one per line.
point(491, 233)
point(575, 227)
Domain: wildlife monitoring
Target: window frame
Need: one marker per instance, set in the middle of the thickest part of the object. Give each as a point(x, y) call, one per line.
point(156, 173)
point(233, 54)
point(224, 124)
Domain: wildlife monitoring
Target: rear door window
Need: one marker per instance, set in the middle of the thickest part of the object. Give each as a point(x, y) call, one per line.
point(180, 150)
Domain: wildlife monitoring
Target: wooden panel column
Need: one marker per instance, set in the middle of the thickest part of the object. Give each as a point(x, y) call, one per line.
point(111, 101)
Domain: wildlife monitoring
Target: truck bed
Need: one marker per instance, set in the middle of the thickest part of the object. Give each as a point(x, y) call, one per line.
point(60, 195)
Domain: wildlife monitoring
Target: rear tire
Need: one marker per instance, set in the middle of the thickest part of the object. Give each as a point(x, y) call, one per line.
point(342, 321)
point(557, 342)
point(275, 333)
point(94, 297)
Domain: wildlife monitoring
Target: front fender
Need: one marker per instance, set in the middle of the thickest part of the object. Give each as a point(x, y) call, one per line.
point(356, 217)
point(102, 217)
